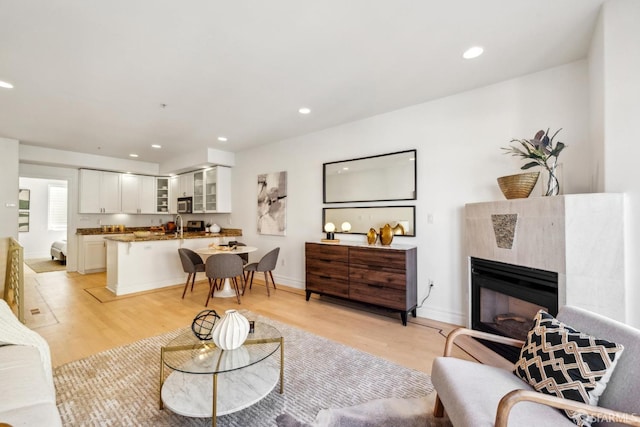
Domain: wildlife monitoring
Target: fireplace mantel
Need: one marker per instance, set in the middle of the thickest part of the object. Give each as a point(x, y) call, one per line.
point(579, 236)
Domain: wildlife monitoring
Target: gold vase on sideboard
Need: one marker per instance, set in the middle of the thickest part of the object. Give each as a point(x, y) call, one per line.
point(372, 236)
point(386, 235)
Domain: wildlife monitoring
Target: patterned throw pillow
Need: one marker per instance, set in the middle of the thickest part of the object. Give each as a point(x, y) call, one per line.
point(558, 360)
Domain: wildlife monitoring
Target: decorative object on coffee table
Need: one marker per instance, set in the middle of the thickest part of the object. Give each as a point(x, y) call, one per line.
point(518, 186)
point(541, 152)
point(231, 331)
point(203, 324)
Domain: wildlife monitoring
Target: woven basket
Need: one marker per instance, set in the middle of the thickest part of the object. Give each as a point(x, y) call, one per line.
point(518, 186)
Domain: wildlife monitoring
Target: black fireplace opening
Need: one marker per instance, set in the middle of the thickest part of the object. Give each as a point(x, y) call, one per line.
point(506, 297)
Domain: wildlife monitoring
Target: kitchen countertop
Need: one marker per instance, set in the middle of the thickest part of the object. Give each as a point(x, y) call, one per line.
point(130, 237)
point(225, 232)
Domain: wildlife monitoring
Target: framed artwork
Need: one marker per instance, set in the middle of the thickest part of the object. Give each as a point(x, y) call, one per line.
point(272, 203)
point(23, 221)
point(24, 197)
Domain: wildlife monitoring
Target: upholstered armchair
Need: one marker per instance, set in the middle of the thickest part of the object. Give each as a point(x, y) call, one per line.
point(478, 395)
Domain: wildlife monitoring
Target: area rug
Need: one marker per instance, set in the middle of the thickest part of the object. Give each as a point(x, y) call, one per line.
point(44, 265)
point(119, 387)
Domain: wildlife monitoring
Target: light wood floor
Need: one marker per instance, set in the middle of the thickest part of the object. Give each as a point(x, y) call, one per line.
point(86, 326)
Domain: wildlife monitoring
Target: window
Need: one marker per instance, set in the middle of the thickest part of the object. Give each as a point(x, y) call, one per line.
point(57, 207)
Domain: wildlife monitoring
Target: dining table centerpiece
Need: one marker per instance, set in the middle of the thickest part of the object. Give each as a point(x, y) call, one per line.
point(540, 151)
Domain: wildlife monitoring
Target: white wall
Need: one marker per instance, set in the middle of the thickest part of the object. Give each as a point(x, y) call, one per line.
point(8, 200)
point(458, 139)
point(621, 110)
point(9, 188)
point(37, 241)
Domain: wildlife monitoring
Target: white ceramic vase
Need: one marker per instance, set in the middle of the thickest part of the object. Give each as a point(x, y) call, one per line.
point(231, 331)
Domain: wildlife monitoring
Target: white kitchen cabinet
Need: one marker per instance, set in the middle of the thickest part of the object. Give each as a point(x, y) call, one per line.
point(138, 194)
point(92, 253)
point(99, 192)
point(185, 185)
point(210, 189)
point(174, 192)
point(217, 189)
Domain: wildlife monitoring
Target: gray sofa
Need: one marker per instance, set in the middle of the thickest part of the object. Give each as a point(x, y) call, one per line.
point(27, 392)
point(477, 395)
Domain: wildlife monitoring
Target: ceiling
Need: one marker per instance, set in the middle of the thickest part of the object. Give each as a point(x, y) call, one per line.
point(113, 77)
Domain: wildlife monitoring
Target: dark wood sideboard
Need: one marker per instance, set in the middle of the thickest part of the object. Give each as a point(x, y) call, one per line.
point(381, 276)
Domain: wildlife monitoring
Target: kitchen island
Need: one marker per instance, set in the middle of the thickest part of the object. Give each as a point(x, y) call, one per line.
point(143, 263)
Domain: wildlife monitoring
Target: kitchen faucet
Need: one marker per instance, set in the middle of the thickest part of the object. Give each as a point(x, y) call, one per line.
point(179, 225)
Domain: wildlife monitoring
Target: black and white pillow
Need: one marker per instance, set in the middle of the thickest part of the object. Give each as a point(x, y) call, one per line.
point(558, 360)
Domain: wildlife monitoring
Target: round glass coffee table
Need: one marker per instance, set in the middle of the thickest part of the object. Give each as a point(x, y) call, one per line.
point(207, 381)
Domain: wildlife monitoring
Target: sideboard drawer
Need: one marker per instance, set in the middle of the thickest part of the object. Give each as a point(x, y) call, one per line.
point(326, 252)
point(378, 295)
point(327, 269)
point(378, 276)
point(325, 285)
point(388, 258)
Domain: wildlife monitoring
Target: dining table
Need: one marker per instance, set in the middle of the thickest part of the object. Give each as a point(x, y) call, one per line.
point(226, 291)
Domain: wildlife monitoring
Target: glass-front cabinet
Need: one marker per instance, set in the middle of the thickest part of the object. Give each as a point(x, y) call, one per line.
point(198, 192)
point(212, 190)
point(162, 195)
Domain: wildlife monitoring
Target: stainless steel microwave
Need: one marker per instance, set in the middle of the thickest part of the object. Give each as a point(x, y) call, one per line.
point(185, 204)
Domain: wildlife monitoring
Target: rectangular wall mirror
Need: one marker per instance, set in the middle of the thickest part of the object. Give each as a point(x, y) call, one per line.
point(362, 219)
point(368, 179)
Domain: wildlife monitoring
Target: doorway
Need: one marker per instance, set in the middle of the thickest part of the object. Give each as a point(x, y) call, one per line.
point(43, 222)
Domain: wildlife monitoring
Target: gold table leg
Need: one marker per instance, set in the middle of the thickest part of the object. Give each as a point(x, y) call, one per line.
point(281, 365)
point(215, 398)
point(161, 382)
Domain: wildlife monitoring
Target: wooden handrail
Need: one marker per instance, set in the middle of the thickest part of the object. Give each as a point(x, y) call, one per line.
point(448, 347)
point(14, 279)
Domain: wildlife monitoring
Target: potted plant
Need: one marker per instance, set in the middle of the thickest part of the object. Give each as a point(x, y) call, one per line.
point(208, 225)
point(541, 151)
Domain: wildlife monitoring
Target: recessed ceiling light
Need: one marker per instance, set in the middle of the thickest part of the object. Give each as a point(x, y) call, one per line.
point(6, 85)
point(304, 110)
point(133, 155)
point(156, 146)
point(473, 52)
point(223, 139)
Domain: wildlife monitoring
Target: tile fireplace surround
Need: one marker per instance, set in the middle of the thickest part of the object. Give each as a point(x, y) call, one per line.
point(579, 236)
